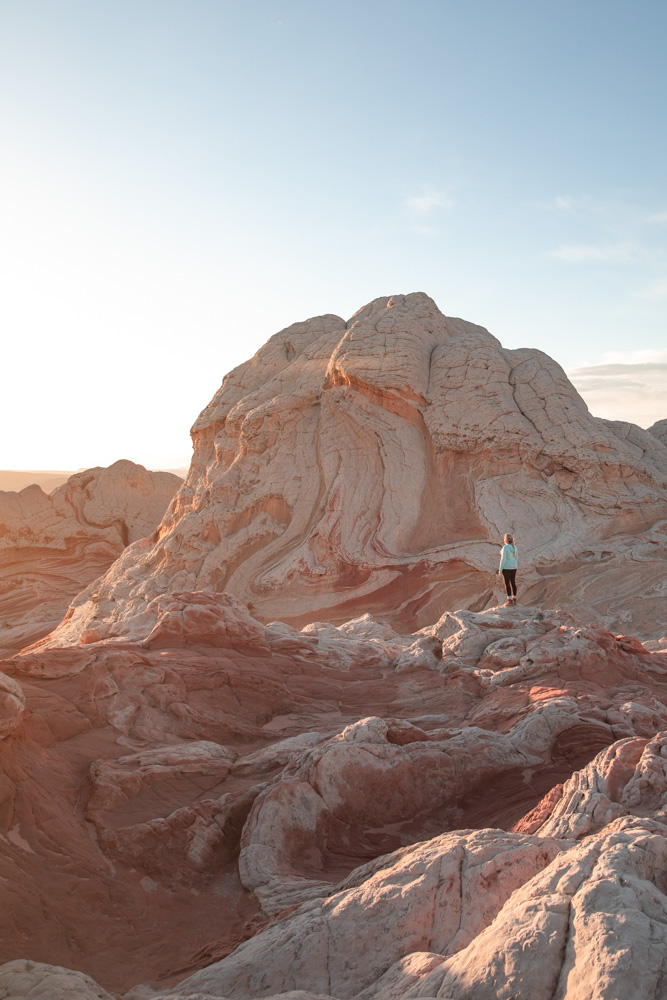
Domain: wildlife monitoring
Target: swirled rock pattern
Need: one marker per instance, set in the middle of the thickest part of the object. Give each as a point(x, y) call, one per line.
point(374, 465)
point(337, 811)
point(52, 545)
point(350, 790)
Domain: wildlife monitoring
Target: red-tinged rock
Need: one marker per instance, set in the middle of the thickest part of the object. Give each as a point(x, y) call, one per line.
point(534, 819)
point(226, 782)
point(12, 704)
point(259, 756)
point(629, 778)
point(53, 545)
point(631, 645)
point(436, 897)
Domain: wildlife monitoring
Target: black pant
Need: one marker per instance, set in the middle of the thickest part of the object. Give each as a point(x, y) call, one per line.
point(509, 576)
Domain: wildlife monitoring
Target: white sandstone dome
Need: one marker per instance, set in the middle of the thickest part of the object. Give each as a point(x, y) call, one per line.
point(375, 465)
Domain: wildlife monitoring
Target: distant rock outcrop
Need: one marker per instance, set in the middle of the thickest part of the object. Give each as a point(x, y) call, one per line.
point(14, 480)
point(374, 465)
point(52, 545)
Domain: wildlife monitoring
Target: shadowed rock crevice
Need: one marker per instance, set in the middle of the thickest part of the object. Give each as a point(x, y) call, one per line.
point(234, 773)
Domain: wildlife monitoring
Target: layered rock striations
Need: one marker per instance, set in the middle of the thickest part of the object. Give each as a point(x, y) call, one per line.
point(52, 545)
point(309, 801)
point(374, 466)
point(477, 809)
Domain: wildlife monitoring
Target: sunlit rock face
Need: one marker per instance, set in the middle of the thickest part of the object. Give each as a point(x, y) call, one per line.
point(398, 799)
point(52, 545)
point(374, 465)
point(659, 430)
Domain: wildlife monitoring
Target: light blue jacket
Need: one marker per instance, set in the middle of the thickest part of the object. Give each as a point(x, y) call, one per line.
point(508, 557)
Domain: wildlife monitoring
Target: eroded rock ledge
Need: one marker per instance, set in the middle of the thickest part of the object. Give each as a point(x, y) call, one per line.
point(474, 810)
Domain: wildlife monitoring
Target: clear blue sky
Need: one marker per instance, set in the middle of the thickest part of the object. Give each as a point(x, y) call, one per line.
point(182, 179)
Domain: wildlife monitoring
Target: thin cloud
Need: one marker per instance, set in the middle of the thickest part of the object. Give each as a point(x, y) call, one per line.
point(601, 371)
point(609, 253)
point(628, 386)
point(615, 385)
point(650, 355)
point(617, 235)
point(562, 202)
point(423, 230)
point(655, 290)
point(586, 207)
point(427, 201)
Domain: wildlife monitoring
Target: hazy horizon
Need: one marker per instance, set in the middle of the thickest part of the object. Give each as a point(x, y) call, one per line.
point(15, 480)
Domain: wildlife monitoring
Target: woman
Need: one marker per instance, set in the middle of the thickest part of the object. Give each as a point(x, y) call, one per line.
point(507, 569)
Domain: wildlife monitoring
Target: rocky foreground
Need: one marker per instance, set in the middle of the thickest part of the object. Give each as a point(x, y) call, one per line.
point(228, 809)
point(262, 755)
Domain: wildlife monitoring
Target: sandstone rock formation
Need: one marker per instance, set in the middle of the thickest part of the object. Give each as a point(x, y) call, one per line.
point(374, 466)
point(659, 430)
point(373, 814)
point(375, 796)
point(52, 545)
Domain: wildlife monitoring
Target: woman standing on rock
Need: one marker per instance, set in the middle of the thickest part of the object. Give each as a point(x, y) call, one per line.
point(507, 568)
